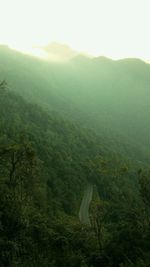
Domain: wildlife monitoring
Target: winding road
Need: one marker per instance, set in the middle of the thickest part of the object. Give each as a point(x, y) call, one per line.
point(84, 208)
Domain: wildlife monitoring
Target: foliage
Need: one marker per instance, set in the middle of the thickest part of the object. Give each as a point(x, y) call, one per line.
point(45, 163)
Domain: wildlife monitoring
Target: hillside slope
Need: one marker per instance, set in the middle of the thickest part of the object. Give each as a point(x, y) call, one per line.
point(46, 163)
point(111, 98)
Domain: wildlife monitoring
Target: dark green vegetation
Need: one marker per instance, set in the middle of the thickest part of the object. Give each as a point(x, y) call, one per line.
point(85, 121)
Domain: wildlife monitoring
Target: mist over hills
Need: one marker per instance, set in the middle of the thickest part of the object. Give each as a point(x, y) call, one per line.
point(110, 97)
point(58, 52)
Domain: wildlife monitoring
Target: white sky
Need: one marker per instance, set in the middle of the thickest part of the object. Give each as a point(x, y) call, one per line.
point(113, 28)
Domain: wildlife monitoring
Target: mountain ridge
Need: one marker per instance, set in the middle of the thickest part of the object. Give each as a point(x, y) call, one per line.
point(107, 97)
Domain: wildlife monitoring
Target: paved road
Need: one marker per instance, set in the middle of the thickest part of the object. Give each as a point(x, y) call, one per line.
point(84, 208)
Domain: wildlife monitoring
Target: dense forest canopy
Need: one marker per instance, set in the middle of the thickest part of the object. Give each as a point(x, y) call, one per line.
point(63, 127)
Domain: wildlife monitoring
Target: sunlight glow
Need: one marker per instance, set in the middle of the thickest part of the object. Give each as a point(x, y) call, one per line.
point(112, 28)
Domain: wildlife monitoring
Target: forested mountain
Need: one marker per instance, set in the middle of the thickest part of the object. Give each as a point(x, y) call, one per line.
point(110, 97)
point(62, 127)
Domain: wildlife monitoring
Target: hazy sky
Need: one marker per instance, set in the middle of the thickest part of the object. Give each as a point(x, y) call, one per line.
point(113, 28)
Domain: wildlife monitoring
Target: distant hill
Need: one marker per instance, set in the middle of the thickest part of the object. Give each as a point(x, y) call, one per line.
point(58, 52)
point(110, 97)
